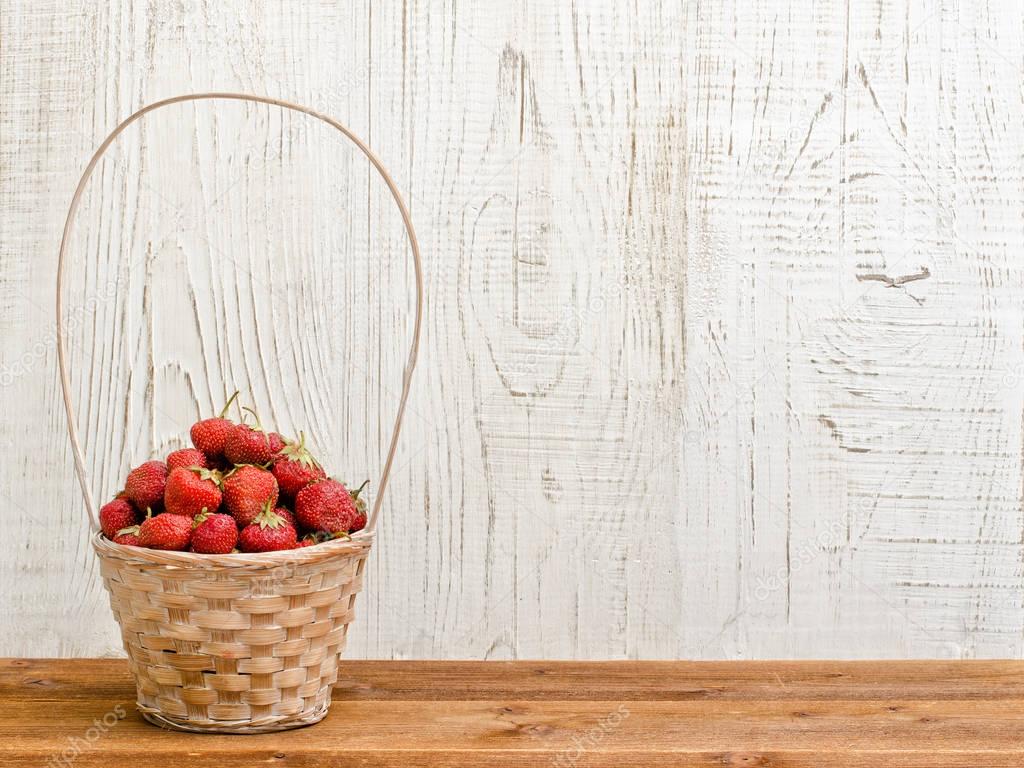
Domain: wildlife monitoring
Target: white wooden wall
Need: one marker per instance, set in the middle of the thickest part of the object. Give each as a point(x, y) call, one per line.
point(724, 352)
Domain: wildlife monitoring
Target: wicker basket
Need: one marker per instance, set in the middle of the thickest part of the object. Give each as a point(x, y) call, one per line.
point(243, 643)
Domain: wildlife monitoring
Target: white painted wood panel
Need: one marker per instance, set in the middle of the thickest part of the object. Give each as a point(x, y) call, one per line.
point(724, 349)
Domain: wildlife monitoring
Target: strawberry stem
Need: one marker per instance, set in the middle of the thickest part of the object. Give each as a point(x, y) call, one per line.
point(268, 518)
point(298, 452)
point(355, 494)
point(224, 410)
point(259, 426)
point(247, 409)
point(209, 474)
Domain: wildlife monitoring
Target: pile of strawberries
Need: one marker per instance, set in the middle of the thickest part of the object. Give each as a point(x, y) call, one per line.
point(239, 489)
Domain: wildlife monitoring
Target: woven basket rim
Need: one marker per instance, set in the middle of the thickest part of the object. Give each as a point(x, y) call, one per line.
point(104, 547)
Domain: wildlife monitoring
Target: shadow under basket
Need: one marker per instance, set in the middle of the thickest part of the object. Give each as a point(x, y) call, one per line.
point(240, 643)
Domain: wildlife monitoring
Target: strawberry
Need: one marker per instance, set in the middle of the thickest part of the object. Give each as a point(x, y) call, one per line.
point(170, 532)
point(295, 468)
point(268, 532)
point(247, 491)
point(214, 534)
point(128, 536)
point(191, 491)
point(277, 442)
point(286, 514)
point(209, 435)
point(115, 515)
point(248, 445)
point(326, 506)
point(245, 445)
point(144, 486)
point(185, 458)
point(360, 521)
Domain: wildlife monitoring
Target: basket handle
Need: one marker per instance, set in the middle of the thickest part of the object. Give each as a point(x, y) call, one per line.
point(410, 365)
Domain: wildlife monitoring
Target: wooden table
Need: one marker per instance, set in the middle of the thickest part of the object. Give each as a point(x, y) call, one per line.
point(562, 714)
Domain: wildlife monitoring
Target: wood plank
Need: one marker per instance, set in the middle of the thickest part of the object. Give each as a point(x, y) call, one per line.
point(391, 758)
point(702, 725)
point(48, 679)
point(781, 714)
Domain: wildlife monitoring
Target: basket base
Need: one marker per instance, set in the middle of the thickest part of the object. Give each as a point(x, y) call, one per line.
point(233, 727)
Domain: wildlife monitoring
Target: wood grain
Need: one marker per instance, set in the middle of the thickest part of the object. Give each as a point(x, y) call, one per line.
point(723, 355)
point(780, 714)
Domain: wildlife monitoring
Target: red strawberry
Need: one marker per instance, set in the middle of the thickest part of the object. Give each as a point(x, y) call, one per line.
point(214, 534)
point(247, 491)
point(116, 515)
point(191, 491)
point(128, 536)
point(276, 442)
point(144, 486)
point(286, 514)
point(185, 458)
point(209, 435)
point(305, 541)
point(295, 468)
point(360, 521)
point(171, 532)
point(245, 445)
point(326, 506)
point(268, 532)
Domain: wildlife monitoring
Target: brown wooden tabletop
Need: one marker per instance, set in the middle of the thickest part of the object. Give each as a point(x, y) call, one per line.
point(395, 713)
